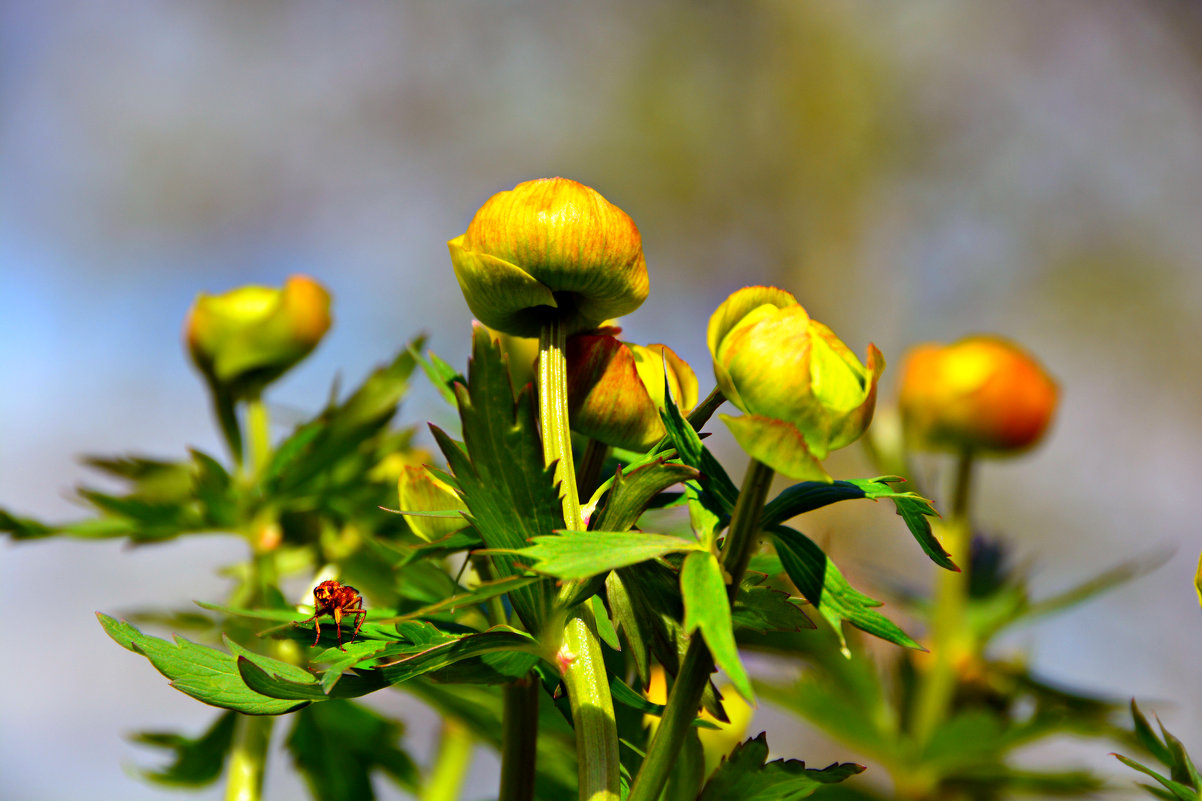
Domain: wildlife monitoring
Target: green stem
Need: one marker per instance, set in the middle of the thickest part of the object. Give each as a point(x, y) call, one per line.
point(553, 412)
point(579, 655)
point(685, 698)
point(519, 739)
point(248, 757)
point(951, 641)
point(445, 779)
point(260, 434)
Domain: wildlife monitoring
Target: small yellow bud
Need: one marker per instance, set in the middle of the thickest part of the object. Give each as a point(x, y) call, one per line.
point(981, 393)
point(246, 338)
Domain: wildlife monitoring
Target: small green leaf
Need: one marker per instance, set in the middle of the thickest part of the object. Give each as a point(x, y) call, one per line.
point(820, 581)
point(721, 492)
point(337, 747)
point(449, 650)
point(204, 673)
point(744, 776)
point(626, 621)
point(707, 609)
point(605, 626)
point(1179, 791)
point(581, 554)
point(197, 762)
point(762, 608)
point(635, 489)
point(443, 376)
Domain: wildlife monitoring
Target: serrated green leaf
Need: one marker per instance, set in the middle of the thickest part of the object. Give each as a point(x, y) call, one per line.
point(581, 554)
point(720, 493)
point(744, 776)
point(823, 585)
point(196, 762)
point(202, 672)
point(1182, 766)
point(510, 495)
point(443, 376)
point(449, 650)
point(337, 747)
point(634, 489)
point(761, 608)
point(913, 509)
point(325, 459)
point(706, 609)
point(1148, 738)
point(479, 594)
point(1180, 791)
point(628, 623)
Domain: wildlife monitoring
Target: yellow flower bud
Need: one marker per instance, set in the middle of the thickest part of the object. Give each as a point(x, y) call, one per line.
point(804, 392)
point(549, 247)
point(419, 491)
point(616, 390)
point(981, 393)
point(246, 338)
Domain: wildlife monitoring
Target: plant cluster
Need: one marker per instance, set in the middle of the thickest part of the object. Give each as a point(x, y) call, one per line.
point(573, 601)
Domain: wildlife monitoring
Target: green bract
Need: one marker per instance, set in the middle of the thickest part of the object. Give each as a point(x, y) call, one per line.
point(804, 392)
point(549, 247)
point(246, 338)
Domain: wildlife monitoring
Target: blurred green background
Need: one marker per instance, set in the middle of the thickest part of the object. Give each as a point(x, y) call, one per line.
point(911, 171)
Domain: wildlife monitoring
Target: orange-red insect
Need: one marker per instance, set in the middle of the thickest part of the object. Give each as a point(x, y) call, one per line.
point(337, 600)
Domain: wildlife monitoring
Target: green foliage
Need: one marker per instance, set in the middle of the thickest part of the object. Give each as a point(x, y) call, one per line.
point(451, 621)
point(746, 776)
point(205, 673)
point(1183, 782)
point(823, 585)
point(197, 762)
point(706, 611)
point(337, 746)
point(499, 469)
point(582, 554)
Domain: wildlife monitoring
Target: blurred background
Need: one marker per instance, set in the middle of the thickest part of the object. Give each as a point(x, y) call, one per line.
point(911, 172)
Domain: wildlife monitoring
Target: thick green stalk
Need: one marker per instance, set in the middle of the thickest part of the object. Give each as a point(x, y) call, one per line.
point(553, 413)
point(951, 641)
point(519, 739)
point(579, 655)
point(260, 434)
point(695, 670)
point(252, 736)
point(445, 779)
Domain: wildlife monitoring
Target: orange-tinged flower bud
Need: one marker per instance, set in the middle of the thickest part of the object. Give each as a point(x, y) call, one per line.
point(981, 393)
point(616, 390)
point(549, 247)
point(246, 338)
point(420, 491)
point(804, 392)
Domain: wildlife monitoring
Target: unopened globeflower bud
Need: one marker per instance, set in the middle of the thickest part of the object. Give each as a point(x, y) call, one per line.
point(246, 338)
point(804, 392)
point(549, 248)
point(982, 393)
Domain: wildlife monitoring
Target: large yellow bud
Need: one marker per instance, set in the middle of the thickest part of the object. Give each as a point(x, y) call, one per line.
point(549, 248)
